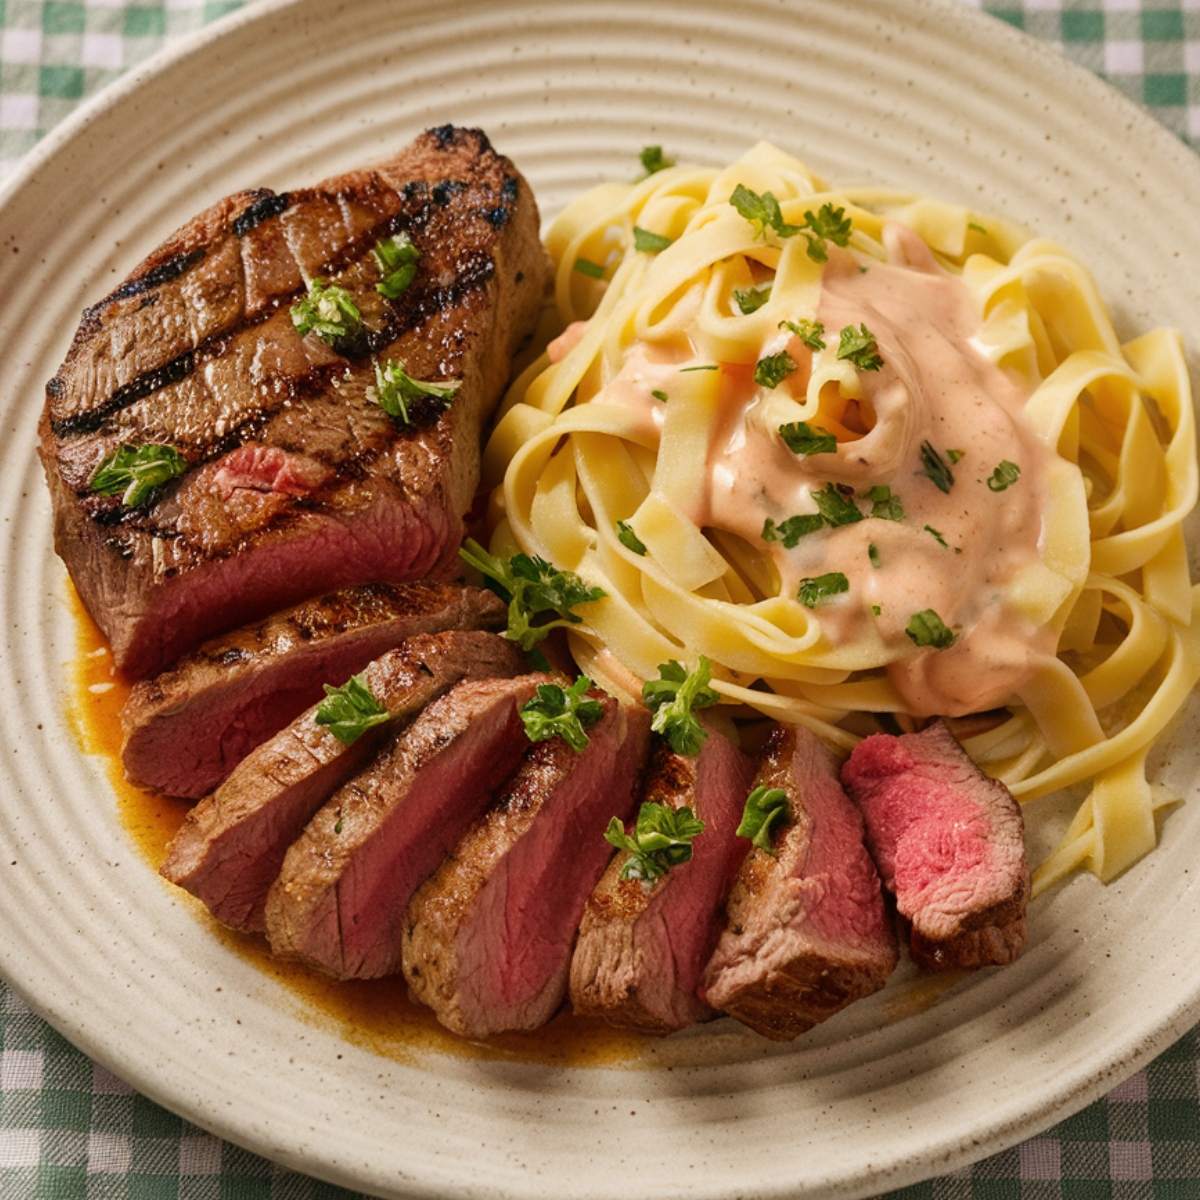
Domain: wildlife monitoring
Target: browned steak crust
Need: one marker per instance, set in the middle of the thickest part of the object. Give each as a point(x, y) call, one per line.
point(298, 482)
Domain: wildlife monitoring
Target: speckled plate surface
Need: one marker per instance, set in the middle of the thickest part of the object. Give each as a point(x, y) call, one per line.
point(927, 94)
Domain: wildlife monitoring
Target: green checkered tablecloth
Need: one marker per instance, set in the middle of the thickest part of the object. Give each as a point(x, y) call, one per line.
point(69, 1129)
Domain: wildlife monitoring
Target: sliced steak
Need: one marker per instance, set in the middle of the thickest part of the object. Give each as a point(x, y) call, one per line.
point(188, 727)
point(642, 945)
point(339, 901)
point(949, 843)
point(807, 930)
point(296, 482)
point(487, 939)
point(231, 847)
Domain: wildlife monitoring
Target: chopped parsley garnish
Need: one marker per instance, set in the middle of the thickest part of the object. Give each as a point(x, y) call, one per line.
point(395, 390)
point(659, 394)
point(649, 243)
point(660, 839)
point(561, 712)
point(397, 258)
point(858, 347)
point(820, 587)
point(653, 160)
point(884, 504)
point(790, 532)
point(135, 471)
point(873, 555)
point(673, 696)
point(836, 507)
point(877, 610)
point(701, 367)
point(976, 227)
point(764, 807)
point(629, 539)
point(771, 371)
point(328, 311)
point(350, 710)
point(750, 300)
point(936, 468)
point(1004, 476)
point(533, 588)
point(802, 438)
point(592, 270)
point(830, 224)
point(954, 455)
point(941, 541)
point(926, 628)
point(763, 211)
point(811, 333)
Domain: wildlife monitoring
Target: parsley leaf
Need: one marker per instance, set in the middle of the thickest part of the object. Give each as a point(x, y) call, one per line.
point(790, 532)
point(629, 539)
point(771, 371)
point(671, 699)
point(763, 211)
point(858, 346)
point(1004, 476)
point(395, 390)
point(660, 839)
point(653, 160)
point(764, 807)
point(659, 394)
point(750, 300)
point(820, 587)
point(941, 541)
point(811, 333)
point(135, 471)
point(830, 224)
point(926, 628)
point(328, 311)
point(533, 588)
point(350, 710)
point(592, 270)
point(397, 258)
point(936, 468)
point(802, 438)
point(836, 507)
point(650, 243)
point(558, 712)
point(873, 555)
point(884, 505)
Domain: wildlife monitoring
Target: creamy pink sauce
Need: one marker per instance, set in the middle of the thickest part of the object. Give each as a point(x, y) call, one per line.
point(936, 387)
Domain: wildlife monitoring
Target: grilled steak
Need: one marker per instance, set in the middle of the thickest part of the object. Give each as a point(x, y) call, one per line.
point(807, 931)
point(295, 480)
point(487, 939)
point(642, 946)
point(187, 728)
point(949, 843)
point(231, 847)
point(339, 901)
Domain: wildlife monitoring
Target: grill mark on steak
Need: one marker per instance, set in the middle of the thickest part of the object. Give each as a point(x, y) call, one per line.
point(270, 205)
point(807, 930)
point(230, 849)
point(187, 728)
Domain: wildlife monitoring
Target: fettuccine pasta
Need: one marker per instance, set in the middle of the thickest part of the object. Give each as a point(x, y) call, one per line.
point(871, 455)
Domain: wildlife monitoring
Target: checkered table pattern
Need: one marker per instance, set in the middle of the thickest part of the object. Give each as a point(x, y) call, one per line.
point(71, 1131)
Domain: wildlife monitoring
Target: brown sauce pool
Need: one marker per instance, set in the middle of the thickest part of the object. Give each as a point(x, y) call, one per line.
point(377, 1014)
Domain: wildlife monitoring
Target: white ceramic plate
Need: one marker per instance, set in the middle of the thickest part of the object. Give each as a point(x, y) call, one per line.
point(927, 94)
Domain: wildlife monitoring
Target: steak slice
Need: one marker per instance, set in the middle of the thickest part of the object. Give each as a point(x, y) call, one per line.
point(339, 901)
point(187, 728)
point(487, 939)
point(949, 843)
point(642, 945)
point(231, 847)
point(296, 480)
point(807, 930)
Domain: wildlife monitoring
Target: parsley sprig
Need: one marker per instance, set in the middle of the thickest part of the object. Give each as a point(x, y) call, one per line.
point(350, 710)
point(396, 257)
point(1004, 476)
point(751, 299)
point(661, 838)
point(764, 808)
point(811, 333)
point(328, 311)
point(802, 438)
point(533, 588)
point(395, 390)
point(828, 224)
point(816, 588)
point(926, 628)
point(858, 347)
point(673, 696)
point(790, 532)
point(653, 160)
point(135, 471)
point(567, 713)
point(771, 371)
point(936, 468)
